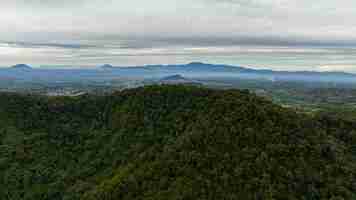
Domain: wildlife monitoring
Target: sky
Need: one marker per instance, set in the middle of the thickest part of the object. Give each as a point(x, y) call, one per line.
point(276, 34)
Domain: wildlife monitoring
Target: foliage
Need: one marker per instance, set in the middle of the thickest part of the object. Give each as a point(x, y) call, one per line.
point(171, 142)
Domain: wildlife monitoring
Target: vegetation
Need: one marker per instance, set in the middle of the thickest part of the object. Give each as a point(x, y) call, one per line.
point(172, 142)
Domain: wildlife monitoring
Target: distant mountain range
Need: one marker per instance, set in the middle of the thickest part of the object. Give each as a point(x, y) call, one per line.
point(192, 70)
point(199, 66)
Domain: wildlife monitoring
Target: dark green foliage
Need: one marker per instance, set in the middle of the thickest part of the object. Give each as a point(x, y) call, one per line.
point(171, 142)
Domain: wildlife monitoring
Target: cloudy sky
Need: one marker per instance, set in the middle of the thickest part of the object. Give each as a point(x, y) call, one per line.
point(277, 34)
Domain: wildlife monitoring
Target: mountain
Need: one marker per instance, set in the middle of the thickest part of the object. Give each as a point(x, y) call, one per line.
point(199, 67)
point(264, 71)
point(107, 66)
point(21, 67)
point(171, 142)
point(178, 79)
point(194, 70)
point(174, 78)
point(213, 71)
point(206, 66)
point(217, 70)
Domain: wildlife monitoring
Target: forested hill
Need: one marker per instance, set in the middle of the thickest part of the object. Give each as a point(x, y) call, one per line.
point(171, 142)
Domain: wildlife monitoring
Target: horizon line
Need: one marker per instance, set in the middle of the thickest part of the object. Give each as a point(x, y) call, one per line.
point(97, 67)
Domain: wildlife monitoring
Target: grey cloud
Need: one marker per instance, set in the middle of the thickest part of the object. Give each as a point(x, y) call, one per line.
point(270, 19)
point(53, 4)
point(50, 45)
point(201, 41)
point(252, 4)
point(121, 25)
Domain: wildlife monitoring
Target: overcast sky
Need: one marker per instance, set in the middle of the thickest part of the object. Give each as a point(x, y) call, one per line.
point(88, 32)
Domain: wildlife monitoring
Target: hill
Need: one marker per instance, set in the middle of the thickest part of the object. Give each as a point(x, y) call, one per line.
point(178, 79)
point(174, 78)
point(21, 67)
point(106, 66)
point(171, 142)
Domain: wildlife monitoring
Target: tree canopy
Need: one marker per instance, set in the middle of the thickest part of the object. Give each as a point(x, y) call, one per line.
point(171, 142)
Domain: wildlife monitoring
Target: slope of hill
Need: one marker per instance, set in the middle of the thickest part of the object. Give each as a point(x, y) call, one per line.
point(171, 142)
